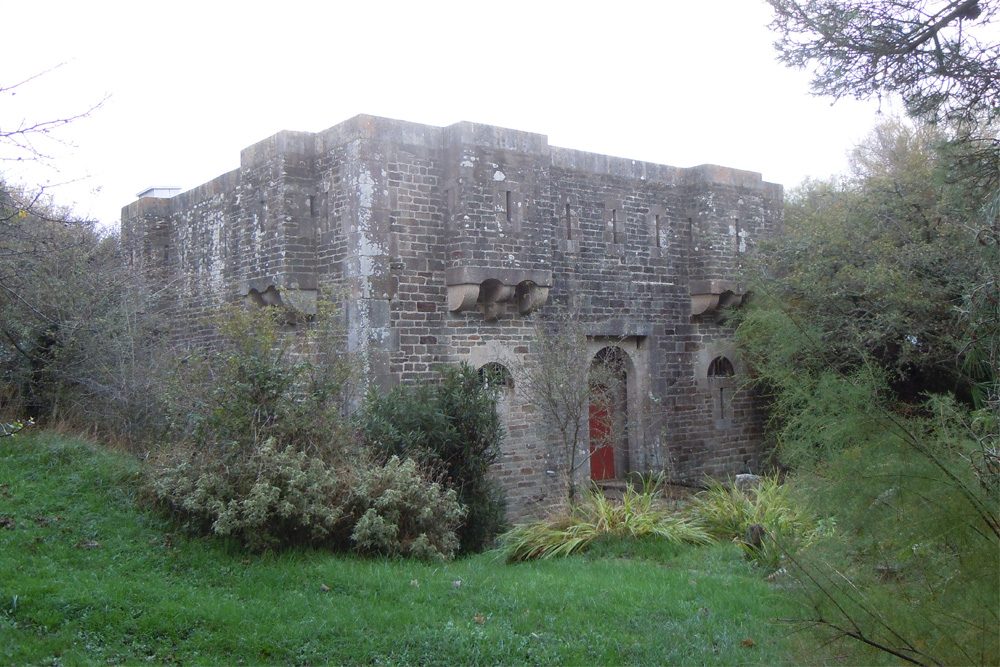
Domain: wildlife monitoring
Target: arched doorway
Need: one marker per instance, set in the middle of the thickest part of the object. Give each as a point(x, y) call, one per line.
point(608, 414)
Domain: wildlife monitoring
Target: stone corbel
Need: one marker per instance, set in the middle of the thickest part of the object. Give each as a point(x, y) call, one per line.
point(462, 297)
point(492, 296)
point(492, 290)
point(709, 296)
point(298, 304)
point(493, 299)
point(530, 296)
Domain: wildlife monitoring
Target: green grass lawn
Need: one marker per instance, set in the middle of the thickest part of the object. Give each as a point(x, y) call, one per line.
point(88, 576)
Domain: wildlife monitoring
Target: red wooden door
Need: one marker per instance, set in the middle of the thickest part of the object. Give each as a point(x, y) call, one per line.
point(602, 454)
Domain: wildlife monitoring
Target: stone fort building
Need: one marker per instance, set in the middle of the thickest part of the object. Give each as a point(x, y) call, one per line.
point(453, 244)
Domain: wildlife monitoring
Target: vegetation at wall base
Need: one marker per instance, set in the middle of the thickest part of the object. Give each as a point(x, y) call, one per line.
point(450, 426)
point(262, 453)
point(89, 577)
point(573, 528)
point(766, 519)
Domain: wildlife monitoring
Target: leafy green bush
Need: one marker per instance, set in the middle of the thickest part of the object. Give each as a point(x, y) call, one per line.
point(269, 497)
point(79, 333)
point(876, 337)
point(872, 265)
point(259, 381)
point(765, 520)
point(641, 513)
point(398, 511)
point(451, 426)
point(275, 497)
point(262, 452)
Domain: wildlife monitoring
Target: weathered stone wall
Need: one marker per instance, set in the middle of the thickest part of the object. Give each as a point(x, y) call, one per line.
point(452, 244)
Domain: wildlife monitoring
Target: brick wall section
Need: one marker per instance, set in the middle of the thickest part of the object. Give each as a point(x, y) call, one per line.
point(397, 218)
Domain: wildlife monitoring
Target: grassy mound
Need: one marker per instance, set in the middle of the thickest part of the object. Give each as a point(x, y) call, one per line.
point(87, 576)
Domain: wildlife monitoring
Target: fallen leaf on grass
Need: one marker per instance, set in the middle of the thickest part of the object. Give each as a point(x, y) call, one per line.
point(479, 619)
point(324, 588)
point(43, 521)
point(87, 544)
point(415, 583)
point(748, 643)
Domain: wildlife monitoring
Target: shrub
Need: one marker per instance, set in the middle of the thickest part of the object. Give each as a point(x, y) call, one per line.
point(451, 426)
point(79, 334)
point(259, 381)
point(263, 453)
point(275, 497)
point(398, 510)
point(269, 497)
point(275, 465)
point(641, 513)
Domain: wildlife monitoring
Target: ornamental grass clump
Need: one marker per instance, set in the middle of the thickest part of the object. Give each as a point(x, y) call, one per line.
point(640, 513)
point(763, 519)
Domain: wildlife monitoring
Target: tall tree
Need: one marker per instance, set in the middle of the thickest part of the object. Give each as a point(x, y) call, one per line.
point(938, 55)
point(571, 392)
point(878, 262)
point(885, 289)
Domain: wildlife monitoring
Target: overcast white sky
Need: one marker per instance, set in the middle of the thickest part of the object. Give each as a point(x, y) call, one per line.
point(192, 83)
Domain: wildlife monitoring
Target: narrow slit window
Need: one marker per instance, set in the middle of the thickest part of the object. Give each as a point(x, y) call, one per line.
point(656, 221)
point(569, 224)
point(510, 209)
point(614, 225)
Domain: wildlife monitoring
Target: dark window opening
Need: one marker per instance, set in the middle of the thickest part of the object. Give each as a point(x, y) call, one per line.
point(495, 374)
point(720, 373)
point(721, 367)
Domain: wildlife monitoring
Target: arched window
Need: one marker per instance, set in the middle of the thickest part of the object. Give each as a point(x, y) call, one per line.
point(496, 374)
point(720, 381)
point(721, 368)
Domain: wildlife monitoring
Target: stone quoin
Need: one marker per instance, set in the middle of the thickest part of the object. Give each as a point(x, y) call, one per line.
point(454, 243)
